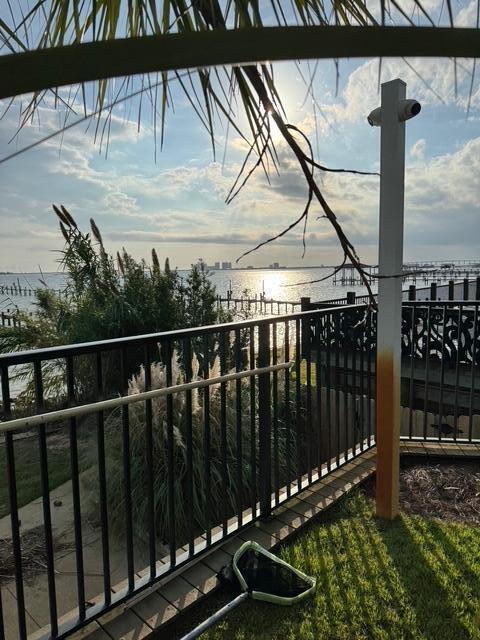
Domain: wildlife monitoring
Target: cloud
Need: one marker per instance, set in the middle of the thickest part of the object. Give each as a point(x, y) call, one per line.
point(181, 200)
point(431, 81)
point(467, 16)
point(448, 185)
point(249, 239)
point(417, 150)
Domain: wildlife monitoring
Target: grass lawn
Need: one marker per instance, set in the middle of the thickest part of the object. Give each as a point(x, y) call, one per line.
point(27, 467)
point(411, 578)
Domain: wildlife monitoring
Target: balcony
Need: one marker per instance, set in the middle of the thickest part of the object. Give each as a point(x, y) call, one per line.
point(134, 466)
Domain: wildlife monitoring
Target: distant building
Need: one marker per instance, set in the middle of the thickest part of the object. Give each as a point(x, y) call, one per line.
point(217, 266)
point(226, 265)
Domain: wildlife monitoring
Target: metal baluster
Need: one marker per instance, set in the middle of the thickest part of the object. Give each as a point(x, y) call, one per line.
point(308, 358)
point(47, 516)
point(127, 481)
point(170, 457)
point(345, 380)
point(206, 445)
point(375, 349)
point(412, 371)
point(102, 481)
point(328, 320)
point(238, 426)
point(427, 360)
point(442, 374)
point(457, 372)
point(318, 366)
point(264, 422)
point(149, 465)
point(369, 375)
point(276, 467)
point(337, 385)
point(472, 383)
point(253, 437)
point(77, 515)
point(187, 355)
point(12, 496)
point(223, 430)
point(362, 393)
point(288, 444)
point(298, 403)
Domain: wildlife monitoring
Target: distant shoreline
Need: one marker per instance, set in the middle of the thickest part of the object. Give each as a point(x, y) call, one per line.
point(296, 268)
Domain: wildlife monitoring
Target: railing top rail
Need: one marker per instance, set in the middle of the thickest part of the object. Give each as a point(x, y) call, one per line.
point(36, 420)
point(62, 351)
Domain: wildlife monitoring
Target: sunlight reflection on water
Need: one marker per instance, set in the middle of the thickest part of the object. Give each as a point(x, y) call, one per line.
point(278, 284)
point(274, 284)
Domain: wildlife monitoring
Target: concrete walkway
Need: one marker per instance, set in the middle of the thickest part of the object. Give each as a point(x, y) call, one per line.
point(35, 583)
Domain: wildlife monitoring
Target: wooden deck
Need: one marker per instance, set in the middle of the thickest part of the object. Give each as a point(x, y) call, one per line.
point(149, 612)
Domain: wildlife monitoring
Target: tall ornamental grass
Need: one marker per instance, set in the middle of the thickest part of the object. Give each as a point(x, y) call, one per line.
point(236, 495)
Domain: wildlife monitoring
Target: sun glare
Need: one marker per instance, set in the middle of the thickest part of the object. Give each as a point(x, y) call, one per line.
point(273, 284)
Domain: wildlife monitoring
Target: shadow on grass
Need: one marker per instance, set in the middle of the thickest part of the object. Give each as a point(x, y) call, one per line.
point(404, 580)
point(425, 579)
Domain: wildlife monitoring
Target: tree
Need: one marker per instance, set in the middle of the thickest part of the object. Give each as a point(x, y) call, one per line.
point(199, 297)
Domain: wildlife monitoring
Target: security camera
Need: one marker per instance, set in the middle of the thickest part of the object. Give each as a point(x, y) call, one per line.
point(375, 117)
point(408, 109)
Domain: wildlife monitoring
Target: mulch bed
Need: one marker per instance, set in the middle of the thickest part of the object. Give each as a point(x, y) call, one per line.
point(445, 491)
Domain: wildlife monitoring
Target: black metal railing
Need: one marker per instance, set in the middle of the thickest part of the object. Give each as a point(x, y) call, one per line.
point(467, 289)
point(440, 370)
point(172, 442)
point(175, 441)
point(440, 378)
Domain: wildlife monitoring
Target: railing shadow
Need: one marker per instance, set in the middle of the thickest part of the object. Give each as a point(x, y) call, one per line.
point(419, 571)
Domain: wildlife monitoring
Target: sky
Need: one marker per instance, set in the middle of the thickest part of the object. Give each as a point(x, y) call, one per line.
point(173, 199)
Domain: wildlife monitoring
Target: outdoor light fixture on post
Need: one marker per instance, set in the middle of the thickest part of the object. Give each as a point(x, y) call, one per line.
point(391, 116)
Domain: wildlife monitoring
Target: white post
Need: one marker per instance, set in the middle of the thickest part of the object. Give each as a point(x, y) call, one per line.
point(391, 116)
